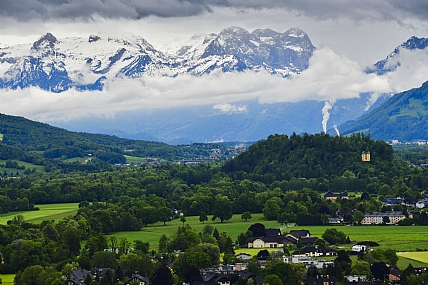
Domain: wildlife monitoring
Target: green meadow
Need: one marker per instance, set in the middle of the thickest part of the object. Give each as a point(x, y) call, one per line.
point(47, 212)
point(77, 159)
point(134, 159)
point(233, 228)
point(400, 238)
point(38, 168)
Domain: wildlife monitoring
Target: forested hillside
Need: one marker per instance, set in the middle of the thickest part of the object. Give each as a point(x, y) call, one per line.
point(281, 157)
point(56, 143)
point(403, 117)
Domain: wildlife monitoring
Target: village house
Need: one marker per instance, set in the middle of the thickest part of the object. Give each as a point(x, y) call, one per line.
point(308, 261)
point(77, 277)
point(360, 248)
point(422, 203)
point(393, 201)
point(274, 239)
point(225, 275)
point(315, 251)
point(243, 256)
point(333, 221)
point(333, 196)
point(136, 276)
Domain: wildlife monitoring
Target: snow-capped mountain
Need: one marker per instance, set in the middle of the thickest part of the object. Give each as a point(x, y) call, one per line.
point(85, 63)
point(392, 61)
point(236, 49)
point(58, 65)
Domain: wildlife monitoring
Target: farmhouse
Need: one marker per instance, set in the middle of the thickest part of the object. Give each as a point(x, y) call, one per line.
point(267, 242)
point(359, 248)
point(274, 239)
point(377, 218)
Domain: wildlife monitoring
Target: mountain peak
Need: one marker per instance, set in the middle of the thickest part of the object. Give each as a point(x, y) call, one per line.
point(46, 41)
point(383, 66)
point(415, 43)
point(295, 32)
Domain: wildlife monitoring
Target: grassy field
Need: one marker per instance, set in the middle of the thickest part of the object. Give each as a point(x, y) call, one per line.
point(396, 237)
point(134, 159)
point(46, 212)
point(399, 238)
point(233, 227)
point(78, 159)
point(7, 278)
point(417, 256)
point(39, 168)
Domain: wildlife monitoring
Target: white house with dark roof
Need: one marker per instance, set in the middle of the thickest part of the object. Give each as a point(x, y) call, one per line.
point(422, 203)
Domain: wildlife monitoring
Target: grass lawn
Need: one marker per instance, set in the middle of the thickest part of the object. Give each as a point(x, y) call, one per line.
point(233, 227)
point(7, 278)
point(46, 212)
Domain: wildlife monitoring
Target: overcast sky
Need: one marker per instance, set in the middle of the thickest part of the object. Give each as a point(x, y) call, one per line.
point(364, 30)
point(348, 35)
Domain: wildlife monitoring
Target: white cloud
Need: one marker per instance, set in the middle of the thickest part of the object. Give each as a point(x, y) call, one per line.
point(230, 108)
point(330, 77)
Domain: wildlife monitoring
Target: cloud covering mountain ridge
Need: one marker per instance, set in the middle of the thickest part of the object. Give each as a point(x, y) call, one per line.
point(101, 78)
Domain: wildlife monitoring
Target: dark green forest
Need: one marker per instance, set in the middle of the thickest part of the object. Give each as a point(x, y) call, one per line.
point(54, 145)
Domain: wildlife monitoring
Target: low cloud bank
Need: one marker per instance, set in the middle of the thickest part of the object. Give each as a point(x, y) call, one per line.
point(329, 78)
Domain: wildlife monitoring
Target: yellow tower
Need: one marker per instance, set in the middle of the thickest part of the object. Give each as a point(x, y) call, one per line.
point(365, 156)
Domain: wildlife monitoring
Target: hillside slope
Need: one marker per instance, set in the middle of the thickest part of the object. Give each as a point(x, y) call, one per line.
point(281, 157)
point(57, 143)
point(403, 117)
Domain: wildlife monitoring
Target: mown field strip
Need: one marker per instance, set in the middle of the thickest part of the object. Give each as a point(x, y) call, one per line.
point(46, 212)
point(418, 256)
point(7, 279)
